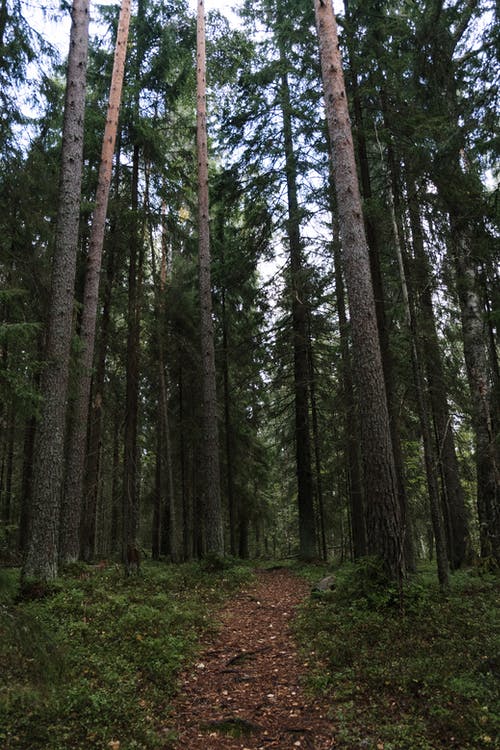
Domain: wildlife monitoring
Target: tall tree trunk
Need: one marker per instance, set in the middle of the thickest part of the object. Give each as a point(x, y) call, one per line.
point(185, 472)
point(317, 448)
point(355, 487)
point(41, 556)
point(160, 286)
point(214, 538)
point(350, 416)
point(130, 456)
point(7, 471)
point(462, 196)
point(72, 500)
point(383, 513)
point(307, 532)
point(27, 482)
point(453, 501)
point(231, 496)
point(116, 493)
point(476, 360)
point(94, 447)
point(422, 407)
point(382, 325)
point(156, 526)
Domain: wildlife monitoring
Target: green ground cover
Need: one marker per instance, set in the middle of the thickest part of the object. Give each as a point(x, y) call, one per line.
point(418, 674)
point(94, 662)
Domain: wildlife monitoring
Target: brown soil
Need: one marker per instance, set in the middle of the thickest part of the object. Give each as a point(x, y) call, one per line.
point(245, 690)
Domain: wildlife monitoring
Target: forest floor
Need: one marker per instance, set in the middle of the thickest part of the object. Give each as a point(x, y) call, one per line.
point(247, 689)
point(220, 657)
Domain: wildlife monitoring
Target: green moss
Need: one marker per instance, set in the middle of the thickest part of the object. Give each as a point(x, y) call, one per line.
point(421, 680)
point(98, 659)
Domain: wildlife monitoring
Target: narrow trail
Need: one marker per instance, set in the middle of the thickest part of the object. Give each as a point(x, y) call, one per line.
point(245, 690)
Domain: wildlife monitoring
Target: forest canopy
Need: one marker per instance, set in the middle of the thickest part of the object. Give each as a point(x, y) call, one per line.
point(294, 353)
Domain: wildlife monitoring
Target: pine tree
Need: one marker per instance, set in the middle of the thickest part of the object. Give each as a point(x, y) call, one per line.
point(214, 540)
point(73, 489)
point(383, 518)
point(41, 557)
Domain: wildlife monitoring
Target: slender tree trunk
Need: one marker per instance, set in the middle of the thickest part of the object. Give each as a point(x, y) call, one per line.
point(383, 513)
point(131, 457)
point(462, 196)
point(157, 501)
point(351, 422)
point(185, 460)
point(243, 527)
point(383, 329)
point(423, 411)
point(116, 494)
point(307, 531)
point(9, 467)
point(41, 556)
point(160, 285)
point(317, 448)
point(27, 482)
point(357, 516)
point(226, 380)
point(214, 538)
point(453, 501)
point(73, 491)
point(476, 360)
point(231, 497)
point(94, 448)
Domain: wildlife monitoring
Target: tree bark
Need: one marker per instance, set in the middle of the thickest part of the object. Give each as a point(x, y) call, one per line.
point(350, 416)
point(307, 532)
point(462, 196)
point(213, 537)
point(476, 360)
point(379, 294)
point(231, 496)
point(351, 431)
point(383, 513)
point(160, 286)
point(72, 500)
point(317, 448)
point(130, 457)
point(156, 525)
point(422, 408)
point(41, 556)
point(453, 500)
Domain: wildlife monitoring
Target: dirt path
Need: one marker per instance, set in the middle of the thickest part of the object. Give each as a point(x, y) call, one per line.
point(245, 691)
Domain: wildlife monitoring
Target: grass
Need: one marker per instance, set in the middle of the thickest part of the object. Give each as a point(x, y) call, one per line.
point(427, 679)
point(94, 663)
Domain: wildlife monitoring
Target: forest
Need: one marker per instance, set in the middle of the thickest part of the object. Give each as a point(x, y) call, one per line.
point(250, 313)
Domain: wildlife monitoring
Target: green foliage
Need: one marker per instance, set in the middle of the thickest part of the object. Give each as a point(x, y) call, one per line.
point(97, 660)
point(424, 680)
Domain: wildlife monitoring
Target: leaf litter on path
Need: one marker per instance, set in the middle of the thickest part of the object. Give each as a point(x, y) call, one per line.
point(245, 692)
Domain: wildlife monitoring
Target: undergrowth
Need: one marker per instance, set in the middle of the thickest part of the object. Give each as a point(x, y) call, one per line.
point(94, 663)
point(421, 674)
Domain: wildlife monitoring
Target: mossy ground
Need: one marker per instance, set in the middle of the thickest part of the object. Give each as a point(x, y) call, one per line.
point(94, 662)
point(418, 674)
